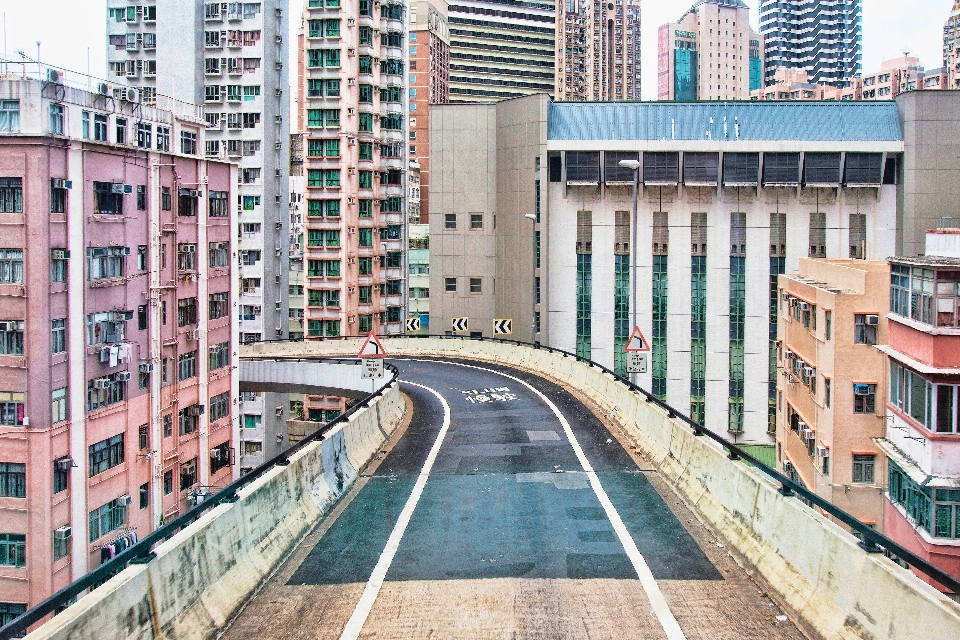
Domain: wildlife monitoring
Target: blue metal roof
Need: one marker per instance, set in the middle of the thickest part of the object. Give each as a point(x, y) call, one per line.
point(758, 121)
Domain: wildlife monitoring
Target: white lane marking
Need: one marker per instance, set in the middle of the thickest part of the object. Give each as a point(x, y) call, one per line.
point(657, 602)
point(370, 592)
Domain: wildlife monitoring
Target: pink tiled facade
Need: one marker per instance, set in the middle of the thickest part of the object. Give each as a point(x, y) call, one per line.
point(116, 284)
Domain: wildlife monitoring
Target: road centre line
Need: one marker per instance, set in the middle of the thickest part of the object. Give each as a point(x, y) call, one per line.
point(360, 613)
point(657, 602)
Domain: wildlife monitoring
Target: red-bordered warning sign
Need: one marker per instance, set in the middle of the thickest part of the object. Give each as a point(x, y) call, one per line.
point(636, 342)
point(372, 348)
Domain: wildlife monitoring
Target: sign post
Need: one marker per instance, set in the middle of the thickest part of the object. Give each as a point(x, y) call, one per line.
point(636, 349)
point(372, 354)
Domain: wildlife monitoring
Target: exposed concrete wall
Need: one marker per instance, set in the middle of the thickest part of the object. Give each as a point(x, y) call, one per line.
point(835, 588)
point(204, 573)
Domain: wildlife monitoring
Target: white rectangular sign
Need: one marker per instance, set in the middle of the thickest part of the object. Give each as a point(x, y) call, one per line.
point(636, 362)
point(372, 368)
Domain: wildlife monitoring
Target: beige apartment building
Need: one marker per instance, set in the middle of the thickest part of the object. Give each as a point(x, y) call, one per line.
point(831, 385)
point(598, 50)
point(951, 49)
point(710, 53)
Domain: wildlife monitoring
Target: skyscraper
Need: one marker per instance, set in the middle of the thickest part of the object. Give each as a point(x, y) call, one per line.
point(598, 52)
point(711, 53)
point(231, 58)
point(822, 37)
point(951, 48)
point(500, 50)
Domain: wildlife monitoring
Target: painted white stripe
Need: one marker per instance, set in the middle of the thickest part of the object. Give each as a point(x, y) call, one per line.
point(370, 592)
point(657, 602)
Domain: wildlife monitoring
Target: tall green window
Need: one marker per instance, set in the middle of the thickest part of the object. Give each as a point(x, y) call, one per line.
point(778, 260)
point(738, 293)
point(314, 238)
point(364, 208)
point(365, 237)
point(365, 179)
point(621, 290)
point(366, 122)
point(365, 151)
point(685, 71)
point(658, 338)
point(698, 316)
point(584, 282)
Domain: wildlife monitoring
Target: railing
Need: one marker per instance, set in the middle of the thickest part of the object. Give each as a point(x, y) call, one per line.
point(871, 540)
point(142, 552)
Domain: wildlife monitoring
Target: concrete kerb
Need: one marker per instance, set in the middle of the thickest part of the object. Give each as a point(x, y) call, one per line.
point(202, 574)
point(819, 572)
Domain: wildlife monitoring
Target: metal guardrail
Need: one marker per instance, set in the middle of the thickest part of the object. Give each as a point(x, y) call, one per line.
point(871, 540)
point(142, 552)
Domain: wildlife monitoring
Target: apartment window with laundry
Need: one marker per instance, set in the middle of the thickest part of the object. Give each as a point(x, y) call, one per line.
point(109, 517)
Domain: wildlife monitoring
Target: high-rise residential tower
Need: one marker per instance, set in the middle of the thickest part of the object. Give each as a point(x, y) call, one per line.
point(711, 53)
point(353, 119)
point(951, 48)
point(500, 49)
point(598, 50)
point(231, 57)
point(822, 37)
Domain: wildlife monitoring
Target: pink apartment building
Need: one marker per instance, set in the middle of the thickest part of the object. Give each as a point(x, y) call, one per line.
point(117, 332)
point(922, 442)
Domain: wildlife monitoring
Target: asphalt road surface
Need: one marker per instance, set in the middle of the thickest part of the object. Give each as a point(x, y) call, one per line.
point(506, 509)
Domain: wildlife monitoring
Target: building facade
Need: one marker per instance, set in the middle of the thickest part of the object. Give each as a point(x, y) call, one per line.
point(822, 37)
point(231, 57)
point(429, 84)
point(500, 50)
point(118, 344)
point(922, 442)
point(355, 132)
point(711, 53)
point(598, 50)
point(951, 49)
point(830, 396)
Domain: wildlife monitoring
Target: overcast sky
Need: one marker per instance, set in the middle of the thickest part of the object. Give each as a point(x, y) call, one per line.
point(68, 28)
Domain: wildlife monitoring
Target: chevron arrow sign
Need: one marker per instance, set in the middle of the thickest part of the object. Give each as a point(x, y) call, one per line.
point(502, 326)
point(458, 324)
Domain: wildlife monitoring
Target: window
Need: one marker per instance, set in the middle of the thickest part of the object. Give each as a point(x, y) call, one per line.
point(218, 254)
point(11, 408)
point(11, 337)
point(58, 402)
point(186, 257)
point(219, 357)
point(865, 328)
point(10, 115)
point(218, 306)
point(144, 134)
point(187, 366)
point(188, 419)
point(167, 482)
point(58, 196)
point(450, 220)
point(13, 550)
point(219, 406)
point(365, 179)
point(864, 398)
point(166, 201)
point(475, 285)
point(58, 266)
point(826, 392)
point(121, 130)
point(828, 324)
point(219, 457)
point(13, 480)
point(61, 476)
point(365, 266)
point(100, 127)
point(11, 195)
point(108, 198)
point(11, 266)
point(105, 454)
point(107, 326)
point(364, 208)
point(863, 468)
point(145, 495)
point(188, 474)
point(186, 312)
point(163, 138)
point(217, 207)
point(107, 518)
point(56, 118)
point(476, 221)
point(365, 122)
point(187, 202)
point(365, 237)
point(106, 262)
point(450, 284)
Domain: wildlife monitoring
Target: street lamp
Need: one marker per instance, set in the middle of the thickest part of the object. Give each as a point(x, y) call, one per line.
point(533, 280)
point(633, 165)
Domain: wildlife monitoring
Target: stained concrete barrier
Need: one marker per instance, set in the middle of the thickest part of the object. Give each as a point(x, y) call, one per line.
point(203, 574)
point(834, 588)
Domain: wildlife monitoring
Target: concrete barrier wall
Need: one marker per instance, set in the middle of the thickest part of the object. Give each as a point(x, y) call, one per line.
point(835, 588)
point(205, 572)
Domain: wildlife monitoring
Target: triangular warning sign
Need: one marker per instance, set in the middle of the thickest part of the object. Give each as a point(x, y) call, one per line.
point(372, 348)
point(636, 342)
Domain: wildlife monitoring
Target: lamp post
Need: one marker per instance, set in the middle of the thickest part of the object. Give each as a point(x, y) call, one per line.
point(533, 277)
point(633, 165)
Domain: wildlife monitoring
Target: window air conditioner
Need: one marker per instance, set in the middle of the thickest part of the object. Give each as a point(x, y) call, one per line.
point(124, 500)
point(122, 376)
point(873, 320)
point(62, 533)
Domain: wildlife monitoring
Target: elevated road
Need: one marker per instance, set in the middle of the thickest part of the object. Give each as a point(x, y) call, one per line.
point(506, 508)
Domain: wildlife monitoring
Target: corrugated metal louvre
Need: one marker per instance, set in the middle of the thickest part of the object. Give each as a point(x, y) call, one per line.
point(583, 166)
point(806, 121)
point(741, 169)
point(781, 169)
point(621, 233)
point(698, 233)
point(863, 169)
point(818, 235)
point(858, 235)
point(821, 169)
point(661, 233)
point(612, 171)
point(738, 234)
point(778, 235)
point(661, 167)
point(584, 232)
point(700, 169)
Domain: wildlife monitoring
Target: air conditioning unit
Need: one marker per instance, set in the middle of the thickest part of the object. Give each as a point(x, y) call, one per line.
point(807, 434)
point(351, 21)
point(130, 95)
point(54, 76)
point(188, 248)
point(278, 330)
point(279, 39)
point(195, 410)
point(279, 411)
point(804, 306)
point(59, 254)
point(193, 334)
point(278, 225)
point(62, 533)
point(277, 307)
point(63, 464)
point(60, 183)
point(278, 251)
point(103, 88)
point(146, 367)
point(101, 383)
point(823, 452)
point(861, 389)
point(124, 500)
point(808, 372)
point(278, 119)
point(788, 467)
point(873, 320)
point(121, 376)
point(801, 425)
point(278, 145)
point(277, 172)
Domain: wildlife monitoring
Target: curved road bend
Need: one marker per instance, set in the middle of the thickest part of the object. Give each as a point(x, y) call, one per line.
point(506, 509)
